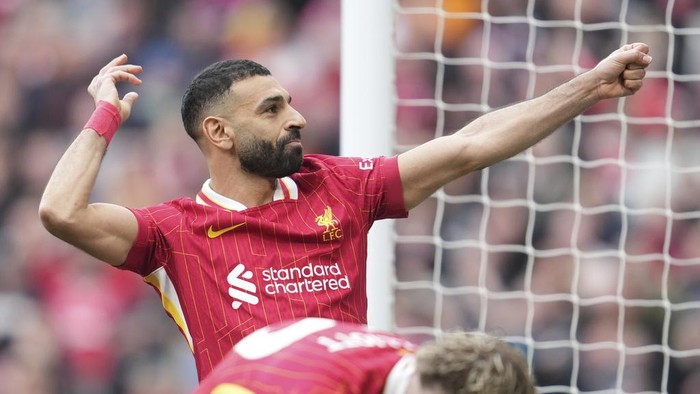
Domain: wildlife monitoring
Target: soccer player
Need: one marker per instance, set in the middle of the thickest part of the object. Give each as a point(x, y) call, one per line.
point(316, 355)
point(274, 234)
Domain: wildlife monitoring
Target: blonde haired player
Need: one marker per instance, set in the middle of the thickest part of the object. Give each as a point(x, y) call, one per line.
point(315, 355)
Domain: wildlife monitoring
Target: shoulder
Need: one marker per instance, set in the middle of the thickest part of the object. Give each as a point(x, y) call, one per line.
point(315, 162)
point(168, 208)
point(318, 162)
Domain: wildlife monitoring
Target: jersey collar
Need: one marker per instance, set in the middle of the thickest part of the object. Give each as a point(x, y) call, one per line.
point(285, 189)
point(400, 375)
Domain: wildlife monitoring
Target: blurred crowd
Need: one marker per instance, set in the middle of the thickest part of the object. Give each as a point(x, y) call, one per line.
point(583, 251)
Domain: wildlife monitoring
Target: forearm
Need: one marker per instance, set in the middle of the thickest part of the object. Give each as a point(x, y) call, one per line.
point(66, 196)
point(505, 132)
point(105, 231)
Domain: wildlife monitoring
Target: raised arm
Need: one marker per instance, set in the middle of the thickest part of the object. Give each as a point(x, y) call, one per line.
point(503, 133)
point(105, 231)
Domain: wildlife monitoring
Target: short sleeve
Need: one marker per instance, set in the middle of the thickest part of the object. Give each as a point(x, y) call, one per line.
point(148, 251)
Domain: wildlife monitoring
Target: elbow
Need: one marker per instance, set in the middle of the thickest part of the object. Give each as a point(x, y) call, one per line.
point(50, 218)
point(56, 221)
point(478, 153)
point(471, 154)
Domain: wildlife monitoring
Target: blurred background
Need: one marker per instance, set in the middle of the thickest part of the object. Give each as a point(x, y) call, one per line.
point(68, 323)
point(584, 250)
point(618, 197)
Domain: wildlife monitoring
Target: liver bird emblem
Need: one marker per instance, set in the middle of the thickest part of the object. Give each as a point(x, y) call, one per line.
point(326, 219)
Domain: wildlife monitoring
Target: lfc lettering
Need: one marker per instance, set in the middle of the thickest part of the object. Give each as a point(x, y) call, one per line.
point(332, 234)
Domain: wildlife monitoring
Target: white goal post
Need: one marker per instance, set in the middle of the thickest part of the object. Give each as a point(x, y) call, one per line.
point(583, 251)
point(367, 103)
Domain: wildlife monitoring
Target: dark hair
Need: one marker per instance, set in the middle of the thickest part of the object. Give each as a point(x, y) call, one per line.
point(210, 85)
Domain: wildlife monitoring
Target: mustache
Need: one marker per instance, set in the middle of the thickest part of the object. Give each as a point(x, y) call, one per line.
point(294, 135)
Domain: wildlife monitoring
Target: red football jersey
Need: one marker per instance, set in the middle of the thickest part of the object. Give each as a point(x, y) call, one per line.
point(314, 355)
point(224, 270)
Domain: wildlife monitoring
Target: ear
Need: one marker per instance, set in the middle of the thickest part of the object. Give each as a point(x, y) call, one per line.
point(218, 131)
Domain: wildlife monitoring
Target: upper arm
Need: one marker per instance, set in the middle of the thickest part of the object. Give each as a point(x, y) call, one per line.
point(428, 167)
point(105, 231)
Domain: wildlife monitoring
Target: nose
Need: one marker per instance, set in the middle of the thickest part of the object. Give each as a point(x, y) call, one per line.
point(296, 121)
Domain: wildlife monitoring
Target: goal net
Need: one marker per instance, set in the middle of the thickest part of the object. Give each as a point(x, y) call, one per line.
point(583, 251)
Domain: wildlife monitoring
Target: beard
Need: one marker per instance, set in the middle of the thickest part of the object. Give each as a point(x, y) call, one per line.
point(269, 159)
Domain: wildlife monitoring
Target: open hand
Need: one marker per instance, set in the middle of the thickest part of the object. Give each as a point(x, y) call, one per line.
point(103, 85)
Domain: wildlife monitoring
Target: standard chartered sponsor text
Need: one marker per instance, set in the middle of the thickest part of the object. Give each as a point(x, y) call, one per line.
point(308, 278)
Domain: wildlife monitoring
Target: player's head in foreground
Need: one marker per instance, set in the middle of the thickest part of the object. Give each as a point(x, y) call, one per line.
point(327, 356)
point(235, 109)
point(470, 363)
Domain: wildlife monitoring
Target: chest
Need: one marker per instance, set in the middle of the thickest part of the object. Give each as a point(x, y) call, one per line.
point(278, 235)
point(281, 226)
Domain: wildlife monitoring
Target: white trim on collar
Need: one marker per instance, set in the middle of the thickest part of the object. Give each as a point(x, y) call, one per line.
point(220, 200)
point(285, 188)
point(400, 375)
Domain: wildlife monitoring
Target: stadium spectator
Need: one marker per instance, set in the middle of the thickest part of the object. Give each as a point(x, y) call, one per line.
point(325, 356)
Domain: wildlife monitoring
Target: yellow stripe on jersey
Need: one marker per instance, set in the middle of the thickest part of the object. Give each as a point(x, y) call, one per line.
point(200, 201)
point(171, 303)
point(292, 188)
point(228, 388)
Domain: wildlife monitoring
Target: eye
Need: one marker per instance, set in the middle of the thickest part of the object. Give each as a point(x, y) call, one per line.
point(272, 109)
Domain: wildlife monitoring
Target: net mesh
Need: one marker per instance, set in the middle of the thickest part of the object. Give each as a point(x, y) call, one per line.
point(585, 249)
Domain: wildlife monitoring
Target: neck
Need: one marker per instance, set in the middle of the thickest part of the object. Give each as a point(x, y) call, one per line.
point(228, 179)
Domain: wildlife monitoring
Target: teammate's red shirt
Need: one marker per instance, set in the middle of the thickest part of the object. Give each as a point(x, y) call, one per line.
point(314, 355)
point(224, 270)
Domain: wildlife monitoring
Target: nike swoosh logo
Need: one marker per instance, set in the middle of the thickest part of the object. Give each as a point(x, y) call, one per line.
point(211, 233)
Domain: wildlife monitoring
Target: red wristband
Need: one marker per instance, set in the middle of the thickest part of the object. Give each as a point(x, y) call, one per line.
point(105, 120)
